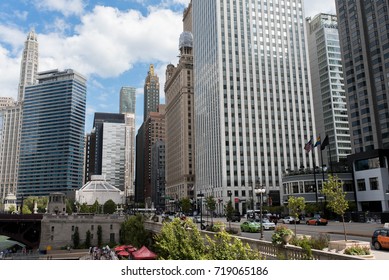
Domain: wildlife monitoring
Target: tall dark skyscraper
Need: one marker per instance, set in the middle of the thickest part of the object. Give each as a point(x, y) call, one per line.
point(364, 33)
point(52, 138)
point(364, 38)
point(151, 93)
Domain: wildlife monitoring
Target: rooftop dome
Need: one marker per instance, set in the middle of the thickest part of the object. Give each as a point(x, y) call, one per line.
point(99, 189)
point(98, 183)
point(186, 39)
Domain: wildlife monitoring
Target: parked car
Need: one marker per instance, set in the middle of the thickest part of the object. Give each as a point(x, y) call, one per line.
point(317, 220)
point(235, 217)
point(290, 220)
point(197, 219)
point(380, 239)
point(267, 225)
point(250, 226)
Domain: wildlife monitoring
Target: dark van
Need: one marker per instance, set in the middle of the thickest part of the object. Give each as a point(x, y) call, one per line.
point(235, 217)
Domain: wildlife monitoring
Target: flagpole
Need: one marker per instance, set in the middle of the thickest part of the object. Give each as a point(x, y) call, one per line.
point(321, 156)
point(329, 147)
point(314, 174)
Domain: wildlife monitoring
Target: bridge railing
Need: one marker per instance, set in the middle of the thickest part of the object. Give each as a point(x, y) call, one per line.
point(270, 251)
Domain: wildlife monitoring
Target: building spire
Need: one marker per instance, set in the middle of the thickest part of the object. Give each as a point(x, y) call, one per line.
point(29, 63)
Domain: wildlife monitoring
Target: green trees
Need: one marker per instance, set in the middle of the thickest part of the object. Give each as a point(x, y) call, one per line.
point(29, 202)
point(181, 240)
point(227, 247)
point(87, 239)
point(229, 210)
point(336, 198)
point(185, 205)
point(76, 238)
point(99, 235)
point(210, 204)
point(109, 207)
point(296, 205)
point(133, 232)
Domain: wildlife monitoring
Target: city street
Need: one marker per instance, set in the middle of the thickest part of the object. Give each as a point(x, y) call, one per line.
point(355, 231)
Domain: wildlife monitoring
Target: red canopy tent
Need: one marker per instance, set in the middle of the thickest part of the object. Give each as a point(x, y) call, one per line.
point(144, 254)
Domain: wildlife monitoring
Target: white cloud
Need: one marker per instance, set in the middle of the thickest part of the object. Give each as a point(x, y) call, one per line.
point(108, 42)
point(13, 37)
point(66, 7)
point(9, 74)
point(22, 15)
point(314, 7)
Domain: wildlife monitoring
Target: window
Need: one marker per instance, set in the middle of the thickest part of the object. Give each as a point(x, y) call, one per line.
point(361, 185)
point(373, 183)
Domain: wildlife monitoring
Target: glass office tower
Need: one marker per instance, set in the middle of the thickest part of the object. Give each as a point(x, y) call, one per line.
point(52, 138)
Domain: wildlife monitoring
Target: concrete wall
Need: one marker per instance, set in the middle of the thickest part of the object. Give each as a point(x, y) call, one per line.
point(57, 230)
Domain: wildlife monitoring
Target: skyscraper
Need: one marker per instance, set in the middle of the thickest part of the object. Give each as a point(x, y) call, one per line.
point(29, 65)
point(328, 86)
point(151, 93)
point(127, 107)
point(179, 118)
point(154, 131)
point(113, 154)
point(52, 138)
point(364, 38)
point(9, 143)
point(11, 115)
point(127, 100)
point(253, 100)
point(98, 129)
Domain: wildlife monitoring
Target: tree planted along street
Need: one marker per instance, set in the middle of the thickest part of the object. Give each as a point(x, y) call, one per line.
point(210, 204)
point(296, 205)
point(336, 198)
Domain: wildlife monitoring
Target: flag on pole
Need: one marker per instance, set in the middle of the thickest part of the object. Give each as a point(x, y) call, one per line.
point(325, 143)
point(308, 146)
point(318, 142)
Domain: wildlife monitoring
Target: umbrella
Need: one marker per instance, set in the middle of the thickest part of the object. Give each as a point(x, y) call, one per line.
point(123, 253)
point(120, 248)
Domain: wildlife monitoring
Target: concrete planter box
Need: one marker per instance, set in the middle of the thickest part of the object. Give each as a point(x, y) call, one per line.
point(341, 245)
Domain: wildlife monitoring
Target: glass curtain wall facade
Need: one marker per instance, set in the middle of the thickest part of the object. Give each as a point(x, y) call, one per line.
point(328, 86)
point(52, 138)
point(127, 107)
point(253, 102)
point(113, 156)
point(364, 32)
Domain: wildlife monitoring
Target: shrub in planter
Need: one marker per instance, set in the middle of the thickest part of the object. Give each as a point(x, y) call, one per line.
point(357, 250)
point(218, 226)
point(281, 235)
point(306, 244)
point(320, 242)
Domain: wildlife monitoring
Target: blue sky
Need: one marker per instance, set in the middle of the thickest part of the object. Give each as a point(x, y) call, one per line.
point(112, 43)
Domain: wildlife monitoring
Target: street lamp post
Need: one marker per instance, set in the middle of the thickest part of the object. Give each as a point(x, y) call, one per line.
point(260, 191)
point(201, 195)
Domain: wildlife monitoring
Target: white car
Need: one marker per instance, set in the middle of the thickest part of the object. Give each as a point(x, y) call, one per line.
point(290, 220)
point(267, 225)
